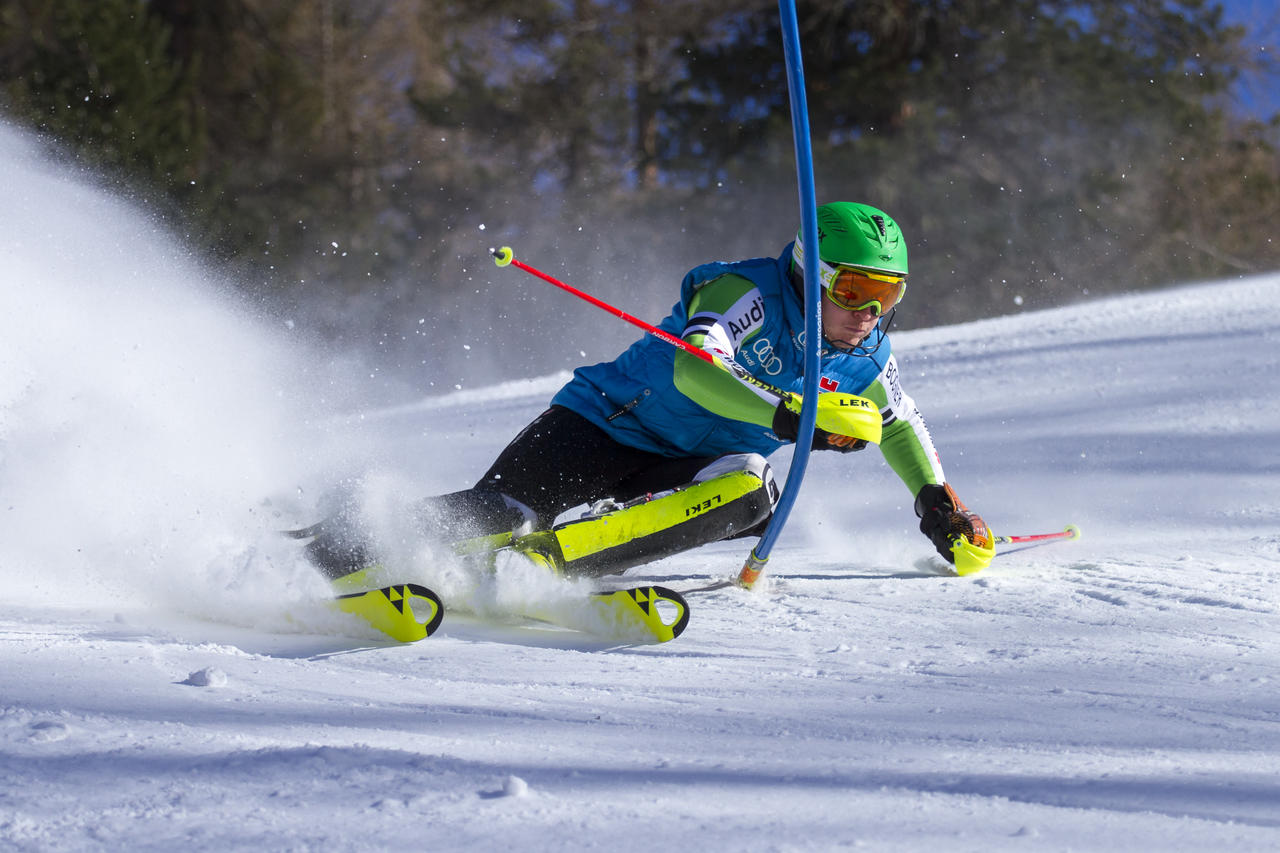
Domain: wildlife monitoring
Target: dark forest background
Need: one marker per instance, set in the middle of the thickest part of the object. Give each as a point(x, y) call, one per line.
point(346, 164)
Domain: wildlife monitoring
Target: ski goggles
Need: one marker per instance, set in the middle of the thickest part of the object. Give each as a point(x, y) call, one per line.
point(856, 290)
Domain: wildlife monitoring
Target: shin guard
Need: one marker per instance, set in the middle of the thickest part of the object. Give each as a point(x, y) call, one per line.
point(656, 526)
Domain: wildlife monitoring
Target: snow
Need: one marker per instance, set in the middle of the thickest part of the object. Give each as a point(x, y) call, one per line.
point(170, 678)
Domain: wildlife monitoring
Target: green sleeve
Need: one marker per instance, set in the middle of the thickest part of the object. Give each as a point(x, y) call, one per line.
point(905, 442)
point(712, 386)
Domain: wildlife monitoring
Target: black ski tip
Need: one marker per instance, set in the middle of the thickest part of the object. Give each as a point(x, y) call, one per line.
point(422, 592)
point(671, 595)
point(303, 532)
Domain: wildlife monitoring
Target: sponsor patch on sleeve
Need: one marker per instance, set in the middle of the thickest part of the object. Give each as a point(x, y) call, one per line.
point(892, 387)
point(745, 317)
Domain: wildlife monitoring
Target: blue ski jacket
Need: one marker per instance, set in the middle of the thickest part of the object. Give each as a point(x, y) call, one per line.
point(634, 398)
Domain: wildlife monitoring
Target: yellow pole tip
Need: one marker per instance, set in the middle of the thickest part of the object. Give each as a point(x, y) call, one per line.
point(1074, 531)
point(502, 257)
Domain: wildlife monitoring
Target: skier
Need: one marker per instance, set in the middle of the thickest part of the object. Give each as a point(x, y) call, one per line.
point(658, 451)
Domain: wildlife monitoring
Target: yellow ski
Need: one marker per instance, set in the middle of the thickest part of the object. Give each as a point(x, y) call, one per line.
point(405, 612)
point(646, 613)
point(638, 614)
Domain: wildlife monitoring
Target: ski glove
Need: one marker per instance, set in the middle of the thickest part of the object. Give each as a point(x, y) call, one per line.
point(961, 537)
point(846, 422)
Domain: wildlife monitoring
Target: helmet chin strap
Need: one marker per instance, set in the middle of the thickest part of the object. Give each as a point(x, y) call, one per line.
point(858, 349)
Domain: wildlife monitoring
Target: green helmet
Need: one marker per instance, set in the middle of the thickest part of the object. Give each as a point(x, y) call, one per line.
point(857, 235)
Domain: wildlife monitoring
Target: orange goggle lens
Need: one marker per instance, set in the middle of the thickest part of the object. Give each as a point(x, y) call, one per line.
point(855, 290)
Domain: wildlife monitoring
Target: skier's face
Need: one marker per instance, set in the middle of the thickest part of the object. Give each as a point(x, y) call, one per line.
point(847, 328)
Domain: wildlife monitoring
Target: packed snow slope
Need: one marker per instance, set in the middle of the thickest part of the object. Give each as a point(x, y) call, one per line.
point(169, 678)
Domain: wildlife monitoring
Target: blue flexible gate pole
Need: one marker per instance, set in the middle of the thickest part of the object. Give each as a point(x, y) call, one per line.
point(755, 564)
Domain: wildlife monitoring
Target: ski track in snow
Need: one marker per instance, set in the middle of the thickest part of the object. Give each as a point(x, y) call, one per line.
point(170, 678)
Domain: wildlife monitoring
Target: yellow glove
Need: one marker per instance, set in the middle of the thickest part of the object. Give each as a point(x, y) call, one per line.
point(845, 421)
point(959, 535)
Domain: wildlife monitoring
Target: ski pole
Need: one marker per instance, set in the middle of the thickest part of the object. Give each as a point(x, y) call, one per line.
point(1036, 540)
point(505, 257)
point(1072, 532)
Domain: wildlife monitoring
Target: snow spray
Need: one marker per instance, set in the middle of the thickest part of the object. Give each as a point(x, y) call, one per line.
point(146, 420)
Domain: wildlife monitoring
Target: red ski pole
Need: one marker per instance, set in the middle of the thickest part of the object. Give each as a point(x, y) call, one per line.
point(1072, 532)
point(505, 257)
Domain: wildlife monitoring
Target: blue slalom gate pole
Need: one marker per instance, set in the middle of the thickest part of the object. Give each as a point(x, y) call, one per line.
point(755, 564)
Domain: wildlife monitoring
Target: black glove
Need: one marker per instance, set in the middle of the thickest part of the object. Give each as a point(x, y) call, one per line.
point(786, 426)
point(943, 517)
